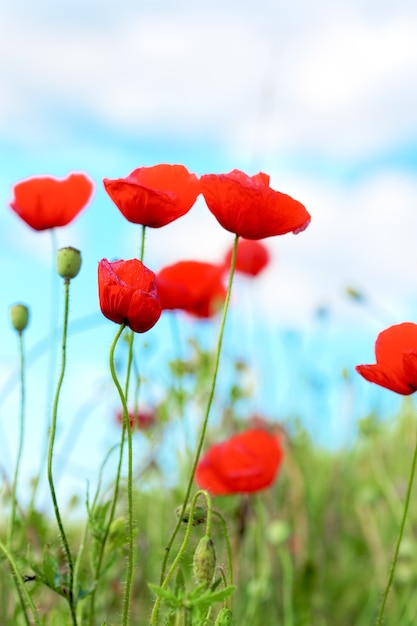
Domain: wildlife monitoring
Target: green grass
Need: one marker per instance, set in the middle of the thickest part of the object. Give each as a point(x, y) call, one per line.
point(314, 549)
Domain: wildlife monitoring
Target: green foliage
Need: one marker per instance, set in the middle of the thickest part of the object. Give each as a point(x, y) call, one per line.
point(315, 548)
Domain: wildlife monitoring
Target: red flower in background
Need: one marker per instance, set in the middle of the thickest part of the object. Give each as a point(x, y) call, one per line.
point(44, 202)
point(396, 359)
point(192, 286)
point(141, 420)
point(247, 206)
point(245, 463)
point(251, 258)
point(154, 196)
point(127, 294)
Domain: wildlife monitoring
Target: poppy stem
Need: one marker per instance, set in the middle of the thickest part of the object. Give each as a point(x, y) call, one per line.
point(163, 578)
point(100, 557)
point(380, 618)
point(142, 243)
point(20, 583)
point(71, 599)
point(52, 359)
point(126, 428)
point(20, 443)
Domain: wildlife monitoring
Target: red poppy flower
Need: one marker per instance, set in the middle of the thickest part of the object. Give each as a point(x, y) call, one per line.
point(244, 463)
point(127, 294)
point(248, 207)
point(44, 202)
point(396, 359)
point(142, 420)
point(154, 196)
point(192, 286)
point(251, 258)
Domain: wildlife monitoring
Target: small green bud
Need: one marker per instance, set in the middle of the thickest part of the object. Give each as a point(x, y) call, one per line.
point(224, 618)
point(68, 262)
point(199, 514)
point(19, 317)
point(117, 534)
point(204, 562)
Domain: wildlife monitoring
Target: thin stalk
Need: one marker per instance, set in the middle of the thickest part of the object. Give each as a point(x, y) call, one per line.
point(181, 551)
point(52, 358)
point(228, 548)
point(116, 484)
point(126, 428)
point(380, 618)
point(71, 599)
point(20, 443)
point(203, 427)
point(142, 243)
point(21, 584)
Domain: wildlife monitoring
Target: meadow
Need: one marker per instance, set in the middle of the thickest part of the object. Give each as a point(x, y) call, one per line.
point(260, 525)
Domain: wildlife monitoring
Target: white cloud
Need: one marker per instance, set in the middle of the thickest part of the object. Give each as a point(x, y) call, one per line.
point(334, 79)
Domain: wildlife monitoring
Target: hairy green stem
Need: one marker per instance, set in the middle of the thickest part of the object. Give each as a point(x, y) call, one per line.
point(21, 584)
point(380, 617)
point(183, 546)
point(203, 428)
point(20, 443)
point(116, 485)
point(228, 546)
point(68, 556)
point(126, 428)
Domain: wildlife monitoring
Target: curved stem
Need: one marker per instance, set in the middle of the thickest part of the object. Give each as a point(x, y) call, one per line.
point(21, 439)
point(126, 428)
point(204, 425)
point(64, 539)
point(399, 539)
point(116, 483)
point(21, 584)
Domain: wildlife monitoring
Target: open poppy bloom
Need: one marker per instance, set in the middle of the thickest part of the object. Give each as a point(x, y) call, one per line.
point(192, 286)
point(141, 420)
point(247, 206)
point(251, 258)
point(127, 294)
point(44, 202)
point(245, 463)
point(396, 359)
point(154, 196)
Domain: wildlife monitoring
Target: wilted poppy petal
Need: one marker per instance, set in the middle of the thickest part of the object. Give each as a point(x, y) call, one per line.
point(44, 202)
point(396, 356)
point(245, 463)
point(127, 294)
point(248, 207)
point(154, 196)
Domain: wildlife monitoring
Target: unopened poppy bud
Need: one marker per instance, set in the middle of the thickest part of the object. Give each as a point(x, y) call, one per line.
point(204, 562)
point(19, 317)
point(68, 262)
point(224, 618)
point(199, 514)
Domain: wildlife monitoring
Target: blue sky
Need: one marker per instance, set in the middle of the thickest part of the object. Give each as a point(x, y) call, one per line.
point(321, 96)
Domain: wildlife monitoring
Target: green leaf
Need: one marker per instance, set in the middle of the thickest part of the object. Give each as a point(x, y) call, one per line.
point(166, 595)
point(211, 597)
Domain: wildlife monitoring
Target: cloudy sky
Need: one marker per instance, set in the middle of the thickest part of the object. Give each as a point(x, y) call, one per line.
point(322, 96)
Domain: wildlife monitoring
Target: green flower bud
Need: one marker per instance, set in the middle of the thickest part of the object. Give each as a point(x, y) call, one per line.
point(199, 514)
point(224, 618)
point(68, 262)
point(19, 317)
point(204, 562)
